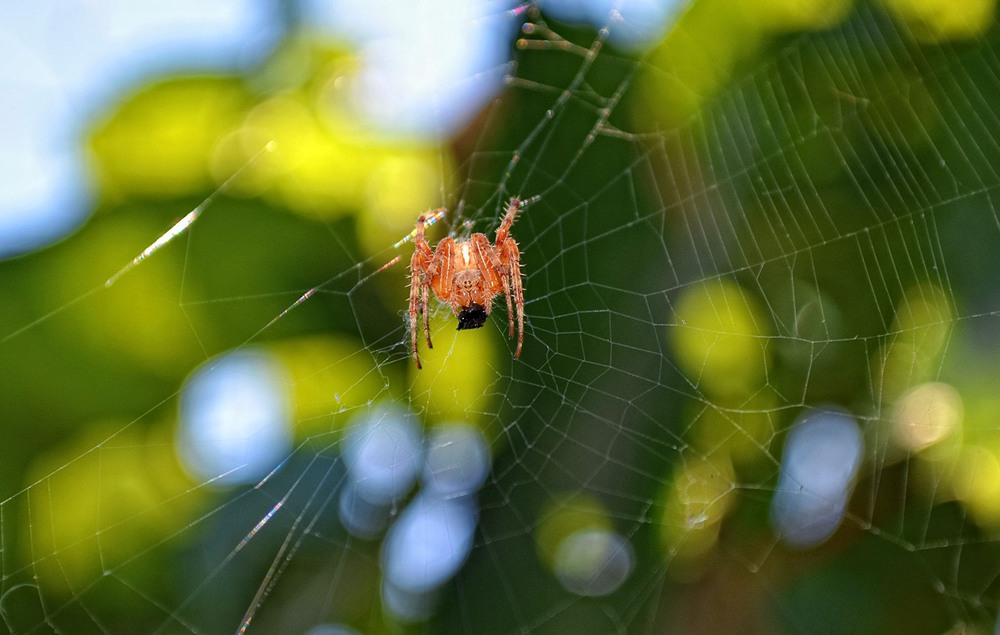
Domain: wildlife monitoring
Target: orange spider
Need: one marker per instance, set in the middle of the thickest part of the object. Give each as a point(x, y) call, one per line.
point(467, 274)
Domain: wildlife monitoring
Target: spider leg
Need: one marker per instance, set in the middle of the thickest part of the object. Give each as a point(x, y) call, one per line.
point(519, 294)
point(508, 219)
point(421, 276)
point(427, 318)
point(417, 286)
point(488, 263)
point(507, 249)
point(510, 312)
point(441, 269)
point(419, 241)
point(510, 257)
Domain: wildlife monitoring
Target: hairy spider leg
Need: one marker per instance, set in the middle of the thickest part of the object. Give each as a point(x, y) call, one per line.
point(508, 219)
point(417, 289)
point(441, 271)
point(424, 297)
point(510, 312)
point(488, 263)
point(420, 279)
point(510, 255)
point(515, 275)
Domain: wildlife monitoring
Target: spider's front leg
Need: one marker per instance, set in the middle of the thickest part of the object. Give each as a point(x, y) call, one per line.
point(420, 281)
point(418, 300)
point(508, 220)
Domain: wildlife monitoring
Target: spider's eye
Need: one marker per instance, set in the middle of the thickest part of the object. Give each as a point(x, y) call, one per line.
point(472, 317)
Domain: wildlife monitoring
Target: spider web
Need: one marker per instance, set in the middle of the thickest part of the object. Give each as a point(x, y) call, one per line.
point(815, 243)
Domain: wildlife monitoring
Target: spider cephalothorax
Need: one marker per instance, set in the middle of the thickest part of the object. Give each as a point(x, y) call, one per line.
point(467, 274)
